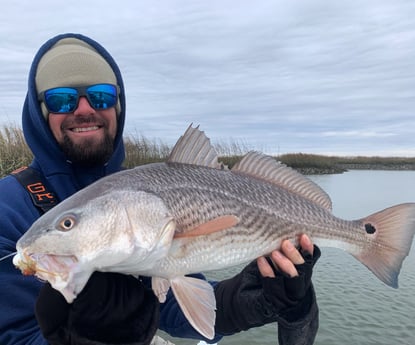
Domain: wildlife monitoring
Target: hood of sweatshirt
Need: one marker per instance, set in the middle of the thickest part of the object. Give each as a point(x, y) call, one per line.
point(64, 177)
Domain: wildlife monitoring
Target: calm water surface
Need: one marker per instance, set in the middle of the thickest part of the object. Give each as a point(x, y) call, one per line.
point(355, 307)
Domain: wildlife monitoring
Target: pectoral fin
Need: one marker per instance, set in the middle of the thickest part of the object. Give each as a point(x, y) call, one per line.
point(197, 301)
point(211, 226)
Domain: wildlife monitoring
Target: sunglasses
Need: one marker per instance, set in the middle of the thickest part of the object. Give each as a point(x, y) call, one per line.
point(63, 100)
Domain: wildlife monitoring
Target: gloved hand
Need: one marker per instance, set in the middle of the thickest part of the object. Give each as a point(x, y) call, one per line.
point(112, 309)
point(249, 299)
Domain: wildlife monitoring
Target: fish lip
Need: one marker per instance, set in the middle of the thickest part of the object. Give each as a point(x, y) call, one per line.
point(48, 267)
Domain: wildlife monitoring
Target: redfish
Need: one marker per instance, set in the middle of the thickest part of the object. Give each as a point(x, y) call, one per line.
point(192, 214)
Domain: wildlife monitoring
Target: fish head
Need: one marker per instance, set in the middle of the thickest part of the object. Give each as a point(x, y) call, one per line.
point(94, 232)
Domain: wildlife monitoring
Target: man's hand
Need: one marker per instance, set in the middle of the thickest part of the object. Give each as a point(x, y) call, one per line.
point(286, 258)
point(112, 309)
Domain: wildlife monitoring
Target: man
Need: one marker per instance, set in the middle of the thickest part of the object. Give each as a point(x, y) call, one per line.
point(73, 119)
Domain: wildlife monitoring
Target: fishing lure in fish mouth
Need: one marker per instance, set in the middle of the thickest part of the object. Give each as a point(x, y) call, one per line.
point(25, 263)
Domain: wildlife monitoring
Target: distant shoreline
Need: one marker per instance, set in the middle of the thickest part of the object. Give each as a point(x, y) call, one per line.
point(309, 164)
point(341, 168)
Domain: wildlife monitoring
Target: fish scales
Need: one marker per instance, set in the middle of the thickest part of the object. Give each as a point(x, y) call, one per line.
point(196, 194)
point(279, 214)
point(191, 214)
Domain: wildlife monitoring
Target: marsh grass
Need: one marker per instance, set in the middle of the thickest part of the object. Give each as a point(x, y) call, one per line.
point(14, 153)
point(140, 150)
point(302, 161)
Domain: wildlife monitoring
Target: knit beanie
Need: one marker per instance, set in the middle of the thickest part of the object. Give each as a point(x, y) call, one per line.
point(72, 62)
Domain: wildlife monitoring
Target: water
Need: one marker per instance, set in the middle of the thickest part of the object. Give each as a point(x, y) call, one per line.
point(355, 307)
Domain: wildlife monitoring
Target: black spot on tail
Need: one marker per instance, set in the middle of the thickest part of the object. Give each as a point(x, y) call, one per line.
point(370, 229)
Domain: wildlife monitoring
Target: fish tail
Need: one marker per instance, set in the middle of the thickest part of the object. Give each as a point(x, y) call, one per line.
point(390, 234)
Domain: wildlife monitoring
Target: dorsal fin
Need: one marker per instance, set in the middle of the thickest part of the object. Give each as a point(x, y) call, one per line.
point(194, 147)
point(267, 168)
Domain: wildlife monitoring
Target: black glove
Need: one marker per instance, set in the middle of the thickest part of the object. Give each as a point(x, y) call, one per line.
point(112, 309)
point(251, 300)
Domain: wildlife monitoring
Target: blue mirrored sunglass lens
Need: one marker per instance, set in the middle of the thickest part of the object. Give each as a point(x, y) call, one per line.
point(65, 99)
point(102, 96)
point(61, 100)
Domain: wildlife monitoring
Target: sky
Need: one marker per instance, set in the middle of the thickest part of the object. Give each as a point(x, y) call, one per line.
point(278, 76)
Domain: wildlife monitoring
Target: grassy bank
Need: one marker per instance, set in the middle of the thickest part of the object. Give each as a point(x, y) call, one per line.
point(14, 153)
point(317, 164)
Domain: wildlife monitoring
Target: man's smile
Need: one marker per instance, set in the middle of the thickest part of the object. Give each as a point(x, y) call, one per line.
point(85, 129)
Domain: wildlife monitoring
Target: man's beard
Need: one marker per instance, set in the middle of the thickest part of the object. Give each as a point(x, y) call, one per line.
point(91, 152)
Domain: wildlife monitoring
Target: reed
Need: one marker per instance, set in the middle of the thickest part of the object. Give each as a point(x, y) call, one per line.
point(14, 152)
point(140, 150)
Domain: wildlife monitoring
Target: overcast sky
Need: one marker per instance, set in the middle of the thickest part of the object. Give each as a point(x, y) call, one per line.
point(312, 76)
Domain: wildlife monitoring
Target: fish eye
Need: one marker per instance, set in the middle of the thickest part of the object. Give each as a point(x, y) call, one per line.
point(67, 223)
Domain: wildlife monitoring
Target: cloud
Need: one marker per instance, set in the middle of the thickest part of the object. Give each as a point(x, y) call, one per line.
point(280, 75)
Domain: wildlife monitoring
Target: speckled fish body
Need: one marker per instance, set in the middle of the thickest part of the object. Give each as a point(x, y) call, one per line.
point(191, 214)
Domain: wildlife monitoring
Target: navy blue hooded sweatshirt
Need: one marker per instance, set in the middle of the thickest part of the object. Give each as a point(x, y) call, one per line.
point(18, 293)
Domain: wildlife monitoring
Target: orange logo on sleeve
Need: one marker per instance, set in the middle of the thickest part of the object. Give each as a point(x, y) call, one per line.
point(38, 189)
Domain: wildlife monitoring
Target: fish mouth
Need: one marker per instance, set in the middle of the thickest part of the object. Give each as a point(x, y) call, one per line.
point(47, 267)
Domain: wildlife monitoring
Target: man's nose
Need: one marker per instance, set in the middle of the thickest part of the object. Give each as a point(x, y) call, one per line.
point(83, 108)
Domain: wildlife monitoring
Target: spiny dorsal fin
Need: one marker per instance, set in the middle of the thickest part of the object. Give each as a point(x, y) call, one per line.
point(267, 168)
point(193, 147)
